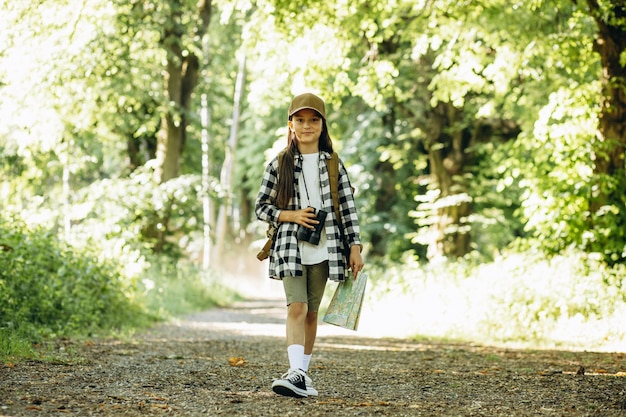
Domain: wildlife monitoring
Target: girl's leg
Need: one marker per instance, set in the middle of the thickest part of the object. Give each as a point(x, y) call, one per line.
point(310, 331)
point(297, 308)
point(296, 319)
point(316, 283)
point(293, 382)
point(303, 294)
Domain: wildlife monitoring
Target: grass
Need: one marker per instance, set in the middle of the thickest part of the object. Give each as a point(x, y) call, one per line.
point(169, 291)
point(14, 345)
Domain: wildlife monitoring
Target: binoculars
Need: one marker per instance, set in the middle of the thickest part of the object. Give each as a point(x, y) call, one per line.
point(312, 235)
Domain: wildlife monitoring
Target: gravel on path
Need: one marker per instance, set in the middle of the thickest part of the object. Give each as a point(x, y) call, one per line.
point(221, 363)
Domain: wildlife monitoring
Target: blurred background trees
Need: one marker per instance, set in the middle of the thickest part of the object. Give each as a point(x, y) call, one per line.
point(472, 130)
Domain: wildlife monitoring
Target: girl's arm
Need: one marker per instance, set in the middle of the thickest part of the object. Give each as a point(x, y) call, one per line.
point(265, 206)
point(350, 221)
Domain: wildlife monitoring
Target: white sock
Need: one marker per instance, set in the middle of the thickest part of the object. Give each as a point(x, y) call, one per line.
point(306, 360)
point(296, 354)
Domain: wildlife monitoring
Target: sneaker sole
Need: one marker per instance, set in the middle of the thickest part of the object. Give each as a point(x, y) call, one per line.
point(289, 391)
point(309, 388)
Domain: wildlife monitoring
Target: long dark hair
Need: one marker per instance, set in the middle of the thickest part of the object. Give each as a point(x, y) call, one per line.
point(286, 158)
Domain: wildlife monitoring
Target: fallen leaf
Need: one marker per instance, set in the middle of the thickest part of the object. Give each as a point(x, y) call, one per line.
point(237, 361)
point(157, 398)
point(550, 372)
point(332, 401)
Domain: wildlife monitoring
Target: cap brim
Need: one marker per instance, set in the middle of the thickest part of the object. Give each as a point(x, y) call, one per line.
point(305, 107)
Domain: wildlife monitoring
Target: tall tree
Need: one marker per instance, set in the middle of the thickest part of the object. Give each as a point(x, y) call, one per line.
point(608, 201)
point(611, 46)
point(227, 208)
point(181, 38)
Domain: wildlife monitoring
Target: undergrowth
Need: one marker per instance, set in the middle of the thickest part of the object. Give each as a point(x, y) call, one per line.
point(570, 301)
point(50, 290)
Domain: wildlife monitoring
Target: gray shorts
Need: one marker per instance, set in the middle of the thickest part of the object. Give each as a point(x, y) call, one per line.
point(309, 288)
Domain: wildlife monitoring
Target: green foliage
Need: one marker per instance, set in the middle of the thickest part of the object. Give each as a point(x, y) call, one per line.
point(51, 289)
point(606, 235)
point(558, 187)
point(169, 289)
point(382, 67)
point(140, 214)
point(496, 197)
point(14, 344)
point(383, 200)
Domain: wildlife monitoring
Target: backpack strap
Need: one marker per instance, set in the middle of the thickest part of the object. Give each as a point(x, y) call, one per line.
point(333, 174)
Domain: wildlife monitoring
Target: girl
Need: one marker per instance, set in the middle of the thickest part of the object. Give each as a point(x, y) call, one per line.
point(294, 197)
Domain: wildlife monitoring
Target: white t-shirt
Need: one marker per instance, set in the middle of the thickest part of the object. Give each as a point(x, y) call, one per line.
point(312, 254)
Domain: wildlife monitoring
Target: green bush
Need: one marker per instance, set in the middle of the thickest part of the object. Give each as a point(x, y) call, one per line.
point(48, 288)
point(571, 298)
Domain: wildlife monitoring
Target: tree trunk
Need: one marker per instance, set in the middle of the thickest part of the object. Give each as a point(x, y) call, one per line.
point(611, 144)
point(226, 177)
point(180, 79)
point(450, 157)
point(207, 208)
point(386, 198)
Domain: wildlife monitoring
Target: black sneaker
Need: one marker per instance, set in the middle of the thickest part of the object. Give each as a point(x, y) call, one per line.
point(309, 386)
point(291, 384)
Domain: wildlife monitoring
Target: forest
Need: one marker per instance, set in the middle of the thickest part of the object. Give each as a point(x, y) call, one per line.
point(485, 140)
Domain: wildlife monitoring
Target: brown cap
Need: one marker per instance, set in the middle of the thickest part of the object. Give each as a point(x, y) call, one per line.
point(307, 101)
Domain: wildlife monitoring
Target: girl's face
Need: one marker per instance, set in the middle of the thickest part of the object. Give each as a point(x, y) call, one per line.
point(307, 125)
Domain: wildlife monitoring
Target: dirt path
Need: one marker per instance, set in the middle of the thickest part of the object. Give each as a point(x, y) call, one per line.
point(221, 363)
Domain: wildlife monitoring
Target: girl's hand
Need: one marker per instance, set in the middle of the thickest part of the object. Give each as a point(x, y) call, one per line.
point(304, 217)
point(356, 260)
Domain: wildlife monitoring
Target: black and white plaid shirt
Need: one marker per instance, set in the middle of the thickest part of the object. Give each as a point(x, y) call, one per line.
point(285, 258)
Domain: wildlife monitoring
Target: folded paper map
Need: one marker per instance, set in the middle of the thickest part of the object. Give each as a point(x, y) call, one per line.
point(344, 309)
